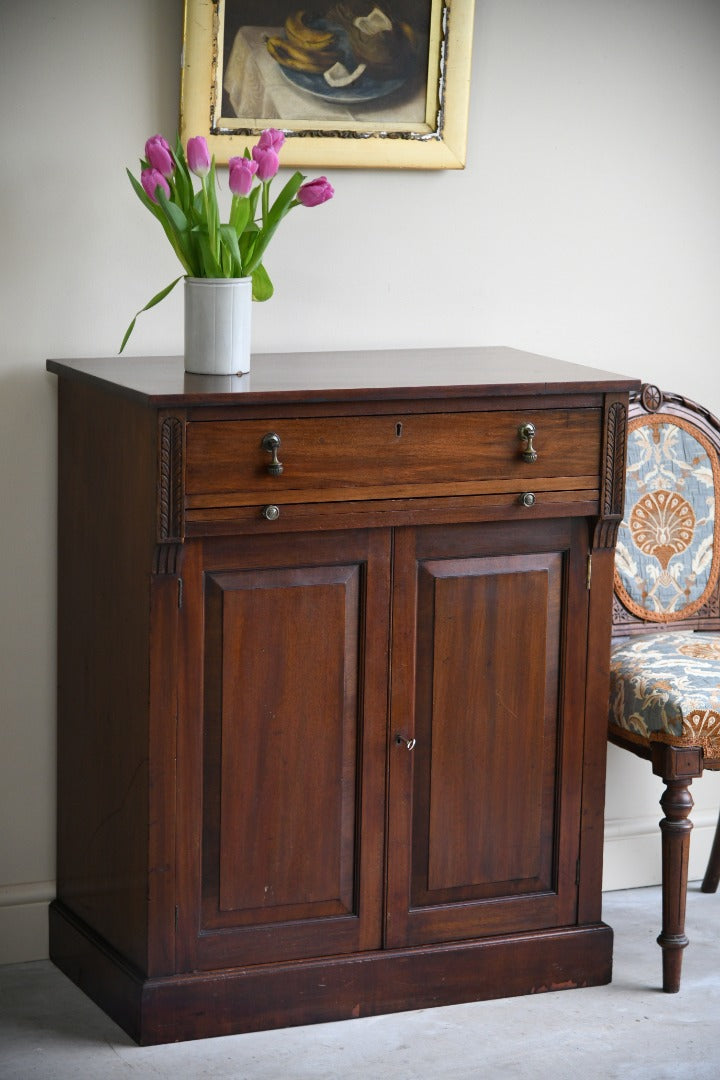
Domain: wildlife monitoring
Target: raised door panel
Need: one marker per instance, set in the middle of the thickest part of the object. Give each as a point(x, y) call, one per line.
point(484, 811)
point(290, 772)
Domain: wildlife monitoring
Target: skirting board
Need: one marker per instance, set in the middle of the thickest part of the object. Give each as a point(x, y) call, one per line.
point(632, 857)
point(24, 921)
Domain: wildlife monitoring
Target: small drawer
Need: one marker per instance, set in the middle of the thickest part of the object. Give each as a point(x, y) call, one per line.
point(360, 457)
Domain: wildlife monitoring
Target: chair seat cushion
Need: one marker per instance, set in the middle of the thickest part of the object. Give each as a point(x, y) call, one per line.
point(666, 687)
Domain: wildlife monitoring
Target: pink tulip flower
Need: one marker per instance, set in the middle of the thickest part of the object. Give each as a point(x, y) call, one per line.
point(159, 155)
point(151, 180)
point(198, 156)
point(314, 192)
point(268, 162)
point(271, 139)
point(242, 170)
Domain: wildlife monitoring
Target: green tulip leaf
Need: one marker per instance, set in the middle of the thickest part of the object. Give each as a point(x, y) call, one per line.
point(210, 263)
point(229, 244)
point(247, 243)
point(262, 286)
point(239, 214)
point(176, 230)
point(173, 211)
point(151, 303)
point(276, 213)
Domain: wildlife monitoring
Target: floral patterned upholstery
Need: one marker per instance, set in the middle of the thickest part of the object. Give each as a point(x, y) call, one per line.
point(666, 562)
point(666, 687)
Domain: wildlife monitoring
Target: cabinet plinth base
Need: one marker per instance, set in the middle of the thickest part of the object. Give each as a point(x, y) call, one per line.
point(200, 1005)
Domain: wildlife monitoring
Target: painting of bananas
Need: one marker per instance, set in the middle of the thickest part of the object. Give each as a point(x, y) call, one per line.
point(374, 83)
point(354, 52)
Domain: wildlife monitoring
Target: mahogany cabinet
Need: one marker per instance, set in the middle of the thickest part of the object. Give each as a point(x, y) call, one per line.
point(332, 683)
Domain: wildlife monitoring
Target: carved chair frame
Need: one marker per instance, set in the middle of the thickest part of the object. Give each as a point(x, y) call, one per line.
point(677, 766)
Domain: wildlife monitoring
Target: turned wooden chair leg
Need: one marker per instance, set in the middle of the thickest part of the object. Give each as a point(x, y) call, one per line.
point(712, 874)
point(677, 767)
point(676, 827)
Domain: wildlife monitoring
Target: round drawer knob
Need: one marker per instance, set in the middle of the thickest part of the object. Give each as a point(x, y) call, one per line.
point(527, 499)
point(271, 512)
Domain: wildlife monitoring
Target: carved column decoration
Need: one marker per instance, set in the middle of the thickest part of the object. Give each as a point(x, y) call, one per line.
point(612, 499)
point(170, 526)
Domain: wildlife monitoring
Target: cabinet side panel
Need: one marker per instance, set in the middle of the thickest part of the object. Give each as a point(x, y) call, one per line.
point(105, 543)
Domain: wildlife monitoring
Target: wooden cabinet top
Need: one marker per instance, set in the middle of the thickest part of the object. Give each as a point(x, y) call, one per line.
point(400, 374)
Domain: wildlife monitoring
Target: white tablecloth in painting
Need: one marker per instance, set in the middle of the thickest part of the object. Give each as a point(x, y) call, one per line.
point(258, 90)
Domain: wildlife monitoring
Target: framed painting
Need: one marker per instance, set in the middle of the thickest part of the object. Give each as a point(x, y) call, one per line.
point(359, 83)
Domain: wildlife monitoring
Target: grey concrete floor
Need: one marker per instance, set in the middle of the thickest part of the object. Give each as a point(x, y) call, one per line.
point(50, 1031)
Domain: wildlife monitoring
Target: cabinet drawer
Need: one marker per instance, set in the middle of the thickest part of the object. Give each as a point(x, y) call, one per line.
point(344, 458)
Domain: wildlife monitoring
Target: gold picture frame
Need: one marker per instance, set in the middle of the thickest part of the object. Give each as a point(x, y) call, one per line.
point(407, 113)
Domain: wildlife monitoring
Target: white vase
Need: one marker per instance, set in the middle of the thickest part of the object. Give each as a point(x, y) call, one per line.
point(218, 316)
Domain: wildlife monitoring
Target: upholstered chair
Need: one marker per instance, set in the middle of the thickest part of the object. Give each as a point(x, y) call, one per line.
point(665, 662)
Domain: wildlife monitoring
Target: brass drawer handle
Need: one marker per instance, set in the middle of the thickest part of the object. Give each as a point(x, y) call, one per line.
point(527, 499)
point(271, 444)
point(527, 434)
point(271, 512)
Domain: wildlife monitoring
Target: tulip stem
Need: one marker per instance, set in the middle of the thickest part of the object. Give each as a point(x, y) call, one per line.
point(211, 223)
point(265, 201)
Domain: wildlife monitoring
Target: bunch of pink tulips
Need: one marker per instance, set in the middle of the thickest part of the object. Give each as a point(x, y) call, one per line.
point(205, 247)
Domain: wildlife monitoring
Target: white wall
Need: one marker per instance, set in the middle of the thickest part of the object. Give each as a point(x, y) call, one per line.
point(586, 226)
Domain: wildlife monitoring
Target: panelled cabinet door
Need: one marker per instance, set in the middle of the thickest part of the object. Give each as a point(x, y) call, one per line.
point(283, 738)
point(489, 632)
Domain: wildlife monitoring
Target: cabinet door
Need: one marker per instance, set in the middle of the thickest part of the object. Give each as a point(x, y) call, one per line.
point(283, 748)
point(489, 640)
